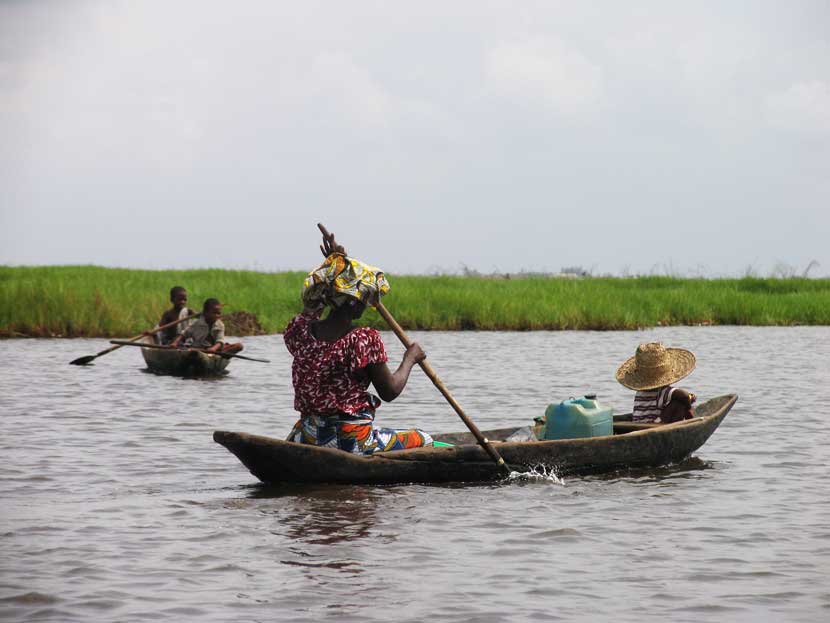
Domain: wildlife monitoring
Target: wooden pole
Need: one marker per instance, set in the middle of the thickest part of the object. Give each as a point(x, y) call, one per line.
point(218, 353)
point(82, 361)
point(482, 440)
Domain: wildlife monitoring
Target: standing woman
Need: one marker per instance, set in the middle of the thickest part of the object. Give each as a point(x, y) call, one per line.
point(334, 362)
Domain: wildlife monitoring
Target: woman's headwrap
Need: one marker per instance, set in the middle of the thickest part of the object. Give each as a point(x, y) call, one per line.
point(340, 278)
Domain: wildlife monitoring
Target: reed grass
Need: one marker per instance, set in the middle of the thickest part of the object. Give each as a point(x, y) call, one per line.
point(75, 301)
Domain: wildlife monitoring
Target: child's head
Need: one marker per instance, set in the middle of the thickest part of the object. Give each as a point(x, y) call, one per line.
point(654, 365)
point(178, 296)
point(211, 310)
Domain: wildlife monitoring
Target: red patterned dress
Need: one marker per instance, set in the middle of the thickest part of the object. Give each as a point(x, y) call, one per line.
point(330, 391)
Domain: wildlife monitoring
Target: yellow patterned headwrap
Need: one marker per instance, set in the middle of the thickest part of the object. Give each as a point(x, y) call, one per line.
point(340, 277)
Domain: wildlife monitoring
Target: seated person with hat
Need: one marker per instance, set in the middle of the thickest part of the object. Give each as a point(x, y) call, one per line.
point(651, 372)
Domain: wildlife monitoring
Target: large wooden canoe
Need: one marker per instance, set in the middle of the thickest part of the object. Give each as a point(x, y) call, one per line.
point(632, 445)
point(184, 362)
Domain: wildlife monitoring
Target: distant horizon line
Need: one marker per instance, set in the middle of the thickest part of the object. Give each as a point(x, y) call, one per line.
point(779, 271)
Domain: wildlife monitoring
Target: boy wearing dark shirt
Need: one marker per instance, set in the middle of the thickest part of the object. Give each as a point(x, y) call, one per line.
point(178, 296)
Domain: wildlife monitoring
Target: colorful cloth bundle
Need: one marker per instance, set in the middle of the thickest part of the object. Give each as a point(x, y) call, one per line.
point(356, 435)
point(341, 277)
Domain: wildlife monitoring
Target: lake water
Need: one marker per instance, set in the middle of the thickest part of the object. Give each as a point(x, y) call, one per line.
point(118, 506)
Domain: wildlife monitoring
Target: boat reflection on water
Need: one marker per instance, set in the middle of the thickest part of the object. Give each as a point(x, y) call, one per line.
point(327, 527)
point(332, 515)
point(692, 467)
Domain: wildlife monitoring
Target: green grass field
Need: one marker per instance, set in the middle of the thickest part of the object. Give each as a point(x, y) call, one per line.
point(74, 301)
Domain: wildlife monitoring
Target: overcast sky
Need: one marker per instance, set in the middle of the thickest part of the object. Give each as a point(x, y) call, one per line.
point(622, 137)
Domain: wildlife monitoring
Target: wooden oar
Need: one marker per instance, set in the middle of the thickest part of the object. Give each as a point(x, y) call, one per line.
point(82, 361)
point(196, 350)
point(482, 440)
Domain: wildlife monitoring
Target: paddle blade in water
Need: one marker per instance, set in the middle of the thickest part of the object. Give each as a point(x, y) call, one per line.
point(82, 361)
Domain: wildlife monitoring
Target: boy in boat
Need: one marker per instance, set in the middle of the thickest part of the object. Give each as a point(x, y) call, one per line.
point(651, 372)
point(208, 331)
point(180, 310)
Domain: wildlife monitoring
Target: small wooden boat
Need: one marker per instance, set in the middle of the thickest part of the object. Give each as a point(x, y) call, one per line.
point(184, 362)
point(632, 445)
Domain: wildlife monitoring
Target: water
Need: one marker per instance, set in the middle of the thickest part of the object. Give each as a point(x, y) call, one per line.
point(118, 506)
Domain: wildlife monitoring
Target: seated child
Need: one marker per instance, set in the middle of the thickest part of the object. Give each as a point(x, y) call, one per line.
point(178, 296)
point(208, 331)
point(651, 372)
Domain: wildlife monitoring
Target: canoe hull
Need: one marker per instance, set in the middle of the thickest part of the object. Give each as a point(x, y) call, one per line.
point(275, 461)
point(184, 363)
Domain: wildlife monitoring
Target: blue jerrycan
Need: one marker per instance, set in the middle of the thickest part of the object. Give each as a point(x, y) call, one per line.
point(577, 418)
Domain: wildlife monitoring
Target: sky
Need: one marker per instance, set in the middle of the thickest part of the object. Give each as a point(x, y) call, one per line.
point(687, 138)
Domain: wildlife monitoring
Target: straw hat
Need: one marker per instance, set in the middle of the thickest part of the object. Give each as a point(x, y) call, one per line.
point(654, 366)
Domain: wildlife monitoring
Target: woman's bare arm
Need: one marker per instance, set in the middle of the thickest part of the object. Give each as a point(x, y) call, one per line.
point(329, 245)
point(388, 384)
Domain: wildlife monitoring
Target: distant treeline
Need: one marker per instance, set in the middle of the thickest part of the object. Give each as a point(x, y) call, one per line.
point(72, 301)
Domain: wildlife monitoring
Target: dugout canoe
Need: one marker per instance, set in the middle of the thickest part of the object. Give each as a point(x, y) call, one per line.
point(275, 461)
point(184, 362)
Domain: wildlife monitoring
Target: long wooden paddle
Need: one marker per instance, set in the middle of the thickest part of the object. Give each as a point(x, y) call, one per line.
point(482, 440)
point(82, 361)
point(198, 350)
point(404, 338)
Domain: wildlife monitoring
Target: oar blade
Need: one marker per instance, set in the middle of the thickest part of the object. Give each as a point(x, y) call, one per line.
point(82, 361)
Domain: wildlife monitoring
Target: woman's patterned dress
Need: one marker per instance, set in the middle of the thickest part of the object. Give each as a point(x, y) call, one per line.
point(330, 391)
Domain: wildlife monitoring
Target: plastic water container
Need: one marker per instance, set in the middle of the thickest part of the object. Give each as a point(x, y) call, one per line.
point(577, 418)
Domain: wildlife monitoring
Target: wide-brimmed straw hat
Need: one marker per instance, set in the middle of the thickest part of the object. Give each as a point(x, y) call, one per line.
point(654, 366)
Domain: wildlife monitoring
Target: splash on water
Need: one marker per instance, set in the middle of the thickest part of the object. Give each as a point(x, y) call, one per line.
point(537, 472)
